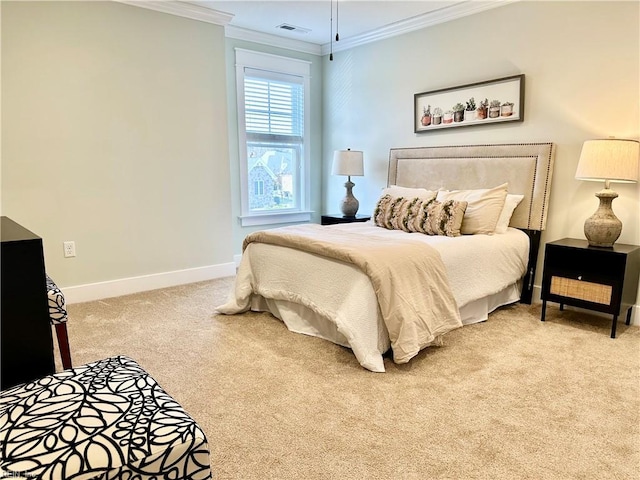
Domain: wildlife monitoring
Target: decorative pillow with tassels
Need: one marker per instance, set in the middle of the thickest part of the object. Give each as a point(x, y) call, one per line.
point(420, 215)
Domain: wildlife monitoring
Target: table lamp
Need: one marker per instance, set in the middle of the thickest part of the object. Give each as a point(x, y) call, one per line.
point(610, 160)
point(351, 163)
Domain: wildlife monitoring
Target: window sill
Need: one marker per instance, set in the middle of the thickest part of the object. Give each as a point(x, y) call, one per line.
point(273, 218)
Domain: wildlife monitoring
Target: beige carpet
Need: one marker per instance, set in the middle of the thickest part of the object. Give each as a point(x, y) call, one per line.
point(511, 398)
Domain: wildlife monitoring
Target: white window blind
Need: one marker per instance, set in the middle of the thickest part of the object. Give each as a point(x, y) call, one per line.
point(273, 107)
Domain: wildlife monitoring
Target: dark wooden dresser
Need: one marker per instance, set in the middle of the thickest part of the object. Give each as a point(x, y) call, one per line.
point(26, 341)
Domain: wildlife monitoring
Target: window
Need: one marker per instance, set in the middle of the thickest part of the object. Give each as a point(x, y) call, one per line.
point(258, 188)
point(273, 131)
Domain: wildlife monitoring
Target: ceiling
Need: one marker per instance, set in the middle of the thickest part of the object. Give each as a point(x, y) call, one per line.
point(315, 22)
point(351, 18)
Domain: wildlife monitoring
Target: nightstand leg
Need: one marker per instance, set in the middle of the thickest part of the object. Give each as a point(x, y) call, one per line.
point(628, 316)
point(562, 307)
point(544, 310)
point(613, 326)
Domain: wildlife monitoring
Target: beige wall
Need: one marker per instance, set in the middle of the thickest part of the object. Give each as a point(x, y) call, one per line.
point(114, 135)
point(581, 61)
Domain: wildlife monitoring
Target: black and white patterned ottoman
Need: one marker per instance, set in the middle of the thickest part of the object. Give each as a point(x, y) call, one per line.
point(105, 420)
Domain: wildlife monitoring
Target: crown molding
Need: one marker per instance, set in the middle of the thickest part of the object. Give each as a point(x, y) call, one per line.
point(183, 9)
point(204, 14)
point(272, 40)
point(442, 15)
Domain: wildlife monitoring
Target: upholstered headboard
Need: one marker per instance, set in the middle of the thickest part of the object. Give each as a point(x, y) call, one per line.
point(526, 167)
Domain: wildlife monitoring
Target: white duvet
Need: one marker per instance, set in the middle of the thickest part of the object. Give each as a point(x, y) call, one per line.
point(319, 296)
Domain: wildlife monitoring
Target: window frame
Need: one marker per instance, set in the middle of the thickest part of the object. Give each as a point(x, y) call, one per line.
point(279, 65)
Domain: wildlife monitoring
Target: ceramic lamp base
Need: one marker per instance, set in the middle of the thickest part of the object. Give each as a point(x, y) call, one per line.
point(603, 228)
point(349, 204)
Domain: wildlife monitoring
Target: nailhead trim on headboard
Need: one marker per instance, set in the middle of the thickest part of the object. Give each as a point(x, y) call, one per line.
point(540, 181)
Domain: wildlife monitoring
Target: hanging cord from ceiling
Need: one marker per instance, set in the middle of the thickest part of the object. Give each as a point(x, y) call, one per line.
point(331, 33)
point(337, 21)
point(337, 26)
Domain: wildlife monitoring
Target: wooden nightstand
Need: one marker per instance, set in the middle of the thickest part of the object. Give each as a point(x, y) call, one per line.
point(600, 279)
point(26, 347)
point(332, 219)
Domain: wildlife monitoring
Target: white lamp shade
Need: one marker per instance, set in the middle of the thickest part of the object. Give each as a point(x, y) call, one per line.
point(348, 162)
point(612, 159)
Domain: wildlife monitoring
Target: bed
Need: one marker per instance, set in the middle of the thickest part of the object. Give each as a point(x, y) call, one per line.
point(337, 288)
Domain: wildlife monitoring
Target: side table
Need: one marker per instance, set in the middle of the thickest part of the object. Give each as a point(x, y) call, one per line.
point(599, 279)
point(26, 347)
point(332, 219)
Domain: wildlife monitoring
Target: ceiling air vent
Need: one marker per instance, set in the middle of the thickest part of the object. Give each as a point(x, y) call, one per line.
point(292, 28)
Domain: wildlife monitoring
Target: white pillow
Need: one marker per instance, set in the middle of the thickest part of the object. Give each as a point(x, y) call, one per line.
point(407, 192)
point(483, 209)
point(510, 205)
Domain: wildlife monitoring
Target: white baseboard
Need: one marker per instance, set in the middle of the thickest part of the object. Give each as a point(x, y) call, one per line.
point(236, 259)
point(126, 286)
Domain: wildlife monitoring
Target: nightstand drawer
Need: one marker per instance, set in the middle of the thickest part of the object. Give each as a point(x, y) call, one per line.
point(581, 290)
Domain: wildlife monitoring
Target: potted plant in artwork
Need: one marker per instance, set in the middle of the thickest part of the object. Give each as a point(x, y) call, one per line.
point(481, 112)
point(506, 109)
point(447, 117)
point(494, 109)
point(426, 116)
point(458, 112)
point(470, 111)
point(436, 117)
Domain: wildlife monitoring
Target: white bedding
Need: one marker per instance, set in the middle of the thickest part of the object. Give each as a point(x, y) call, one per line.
point(335, 300)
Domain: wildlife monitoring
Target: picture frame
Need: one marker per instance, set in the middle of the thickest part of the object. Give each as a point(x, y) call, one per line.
point(488, 102)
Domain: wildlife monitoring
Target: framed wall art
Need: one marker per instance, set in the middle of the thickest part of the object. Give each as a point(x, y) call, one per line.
point(481, 103)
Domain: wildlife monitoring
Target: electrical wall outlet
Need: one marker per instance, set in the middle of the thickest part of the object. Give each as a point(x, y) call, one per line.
point(69, 249)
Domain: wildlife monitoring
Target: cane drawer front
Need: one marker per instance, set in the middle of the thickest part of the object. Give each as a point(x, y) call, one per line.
point(580, 290)
point(584, 277)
